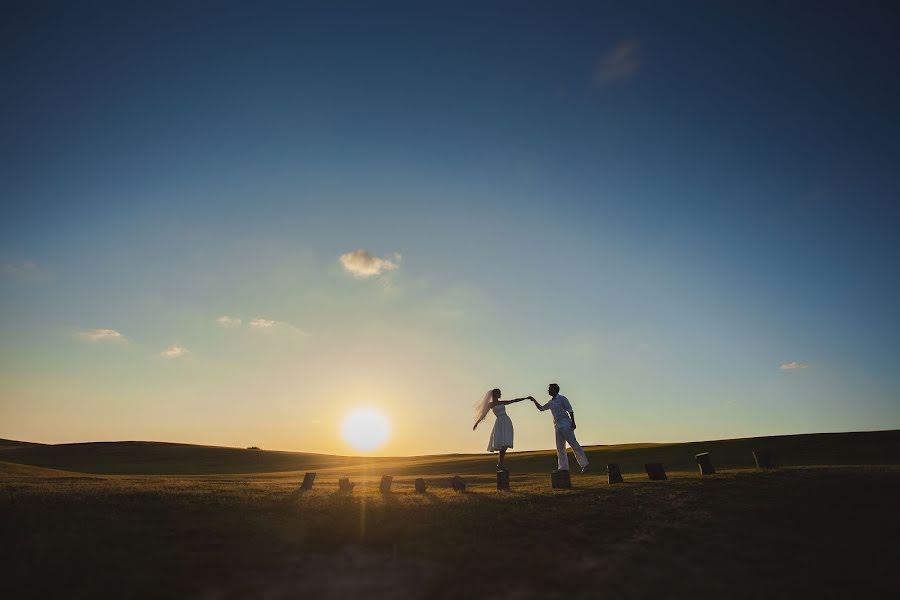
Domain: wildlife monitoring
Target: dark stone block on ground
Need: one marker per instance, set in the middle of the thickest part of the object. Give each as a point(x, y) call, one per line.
point(655, 471)
point(763, 459)
point(420, 486)
point(614, 475)
point(458, 483)
point(308, 480)
point(503, 480)
point(344, 485)
point(560, 480)
point(385, 486)
point(704, 461)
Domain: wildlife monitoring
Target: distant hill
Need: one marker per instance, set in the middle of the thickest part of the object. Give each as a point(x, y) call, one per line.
point(157, 458)
point(13, 469)
point(160, 458)
point(15, 443)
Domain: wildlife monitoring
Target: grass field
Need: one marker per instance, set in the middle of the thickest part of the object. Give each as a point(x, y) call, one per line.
point(131, 521)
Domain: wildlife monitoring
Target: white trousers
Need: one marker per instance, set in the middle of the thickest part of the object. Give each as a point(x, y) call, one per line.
point(565, 434)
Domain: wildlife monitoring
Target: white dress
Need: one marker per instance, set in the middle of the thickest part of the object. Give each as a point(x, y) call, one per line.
point(502, 434)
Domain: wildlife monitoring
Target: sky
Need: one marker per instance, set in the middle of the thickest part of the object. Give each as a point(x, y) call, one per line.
point(234, 223)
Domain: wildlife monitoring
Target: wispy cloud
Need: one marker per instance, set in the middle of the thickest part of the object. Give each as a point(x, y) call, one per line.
point(621, 62)
point(12, 266)
point(363, 264)
point(21, 269)
point(794, 365)
point(101, 335)
point(228, 322)
point(272, 326)
point(174, 351)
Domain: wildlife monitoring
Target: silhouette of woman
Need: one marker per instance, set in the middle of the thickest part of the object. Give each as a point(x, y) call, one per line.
point(502, 434)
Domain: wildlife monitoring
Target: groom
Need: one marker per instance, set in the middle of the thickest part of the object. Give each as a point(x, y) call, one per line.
point(564, 423)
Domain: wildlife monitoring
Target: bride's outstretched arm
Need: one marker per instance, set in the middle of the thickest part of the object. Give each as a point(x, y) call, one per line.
point(505, 402)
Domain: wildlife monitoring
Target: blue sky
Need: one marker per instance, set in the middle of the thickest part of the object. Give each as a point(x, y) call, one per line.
point(658, 207)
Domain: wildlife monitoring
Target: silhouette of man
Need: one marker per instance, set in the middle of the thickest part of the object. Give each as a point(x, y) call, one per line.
point(564, 424)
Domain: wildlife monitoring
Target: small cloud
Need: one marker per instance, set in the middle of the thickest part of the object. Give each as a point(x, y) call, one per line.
point(621, 62)
point(20, 269)
point(228, 322)
point(272, 326)
point(794, 365)
point(12, 266)
point(174, 351)
point(262, 323)
point(363, 264)
point(102, 335)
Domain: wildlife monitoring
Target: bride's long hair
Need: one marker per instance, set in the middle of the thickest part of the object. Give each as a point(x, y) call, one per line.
point(481, 407)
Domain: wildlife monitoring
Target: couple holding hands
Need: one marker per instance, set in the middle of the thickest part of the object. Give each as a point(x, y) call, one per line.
point(502, 434)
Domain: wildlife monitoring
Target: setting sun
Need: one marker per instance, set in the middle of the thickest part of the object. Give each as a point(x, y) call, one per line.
point(365, 429)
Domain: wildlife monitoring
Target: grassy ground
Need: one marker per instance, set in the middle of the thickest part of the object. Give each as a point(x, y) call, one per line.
point(812, 531)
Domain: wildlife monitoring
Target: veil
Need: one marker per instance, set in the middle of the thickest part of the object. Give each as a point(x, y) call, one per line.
point(481, 407)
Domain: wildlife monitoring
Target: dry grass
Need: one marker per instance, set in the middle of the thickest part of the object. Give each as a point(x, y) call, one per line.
point(800, 531)
point(828, 531)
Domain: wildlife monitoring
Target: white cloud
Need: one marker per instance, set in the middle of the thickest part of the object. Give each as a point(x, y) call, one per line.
point(363, 264)
point(228, 322)
point(794, 365)
point(174, 351)
point(272, 326)
point(102, 335)
point(262, 324)
point(621, 62)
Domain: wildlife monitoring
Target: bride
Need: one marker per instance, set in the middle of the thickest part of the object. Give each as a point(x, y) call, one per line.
point(502, 434)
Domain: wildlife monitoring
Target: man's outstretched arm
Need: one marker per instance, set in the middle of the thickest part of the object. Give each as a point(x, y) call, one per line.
point(537, 404)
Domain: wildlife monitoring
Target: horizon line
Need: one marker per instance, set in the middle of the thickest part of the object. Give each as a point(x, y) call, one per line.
point(386, 456)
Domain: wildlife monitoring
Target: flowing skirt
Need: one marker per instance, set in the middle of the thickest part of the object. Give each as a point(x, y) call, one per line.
point(502, 434)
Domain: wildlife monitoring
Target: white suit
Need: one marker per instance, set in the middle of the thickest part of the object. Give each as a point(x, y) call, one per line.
point(560, 408)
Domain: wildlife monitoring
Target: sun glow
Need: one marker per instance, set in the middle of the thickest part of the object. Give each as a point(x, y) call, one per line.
point(365, 429)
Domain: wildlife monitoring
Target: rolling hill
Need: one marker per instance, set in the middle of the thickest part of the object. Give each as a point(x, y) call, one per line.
point(157, 458)
point(16, 444)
